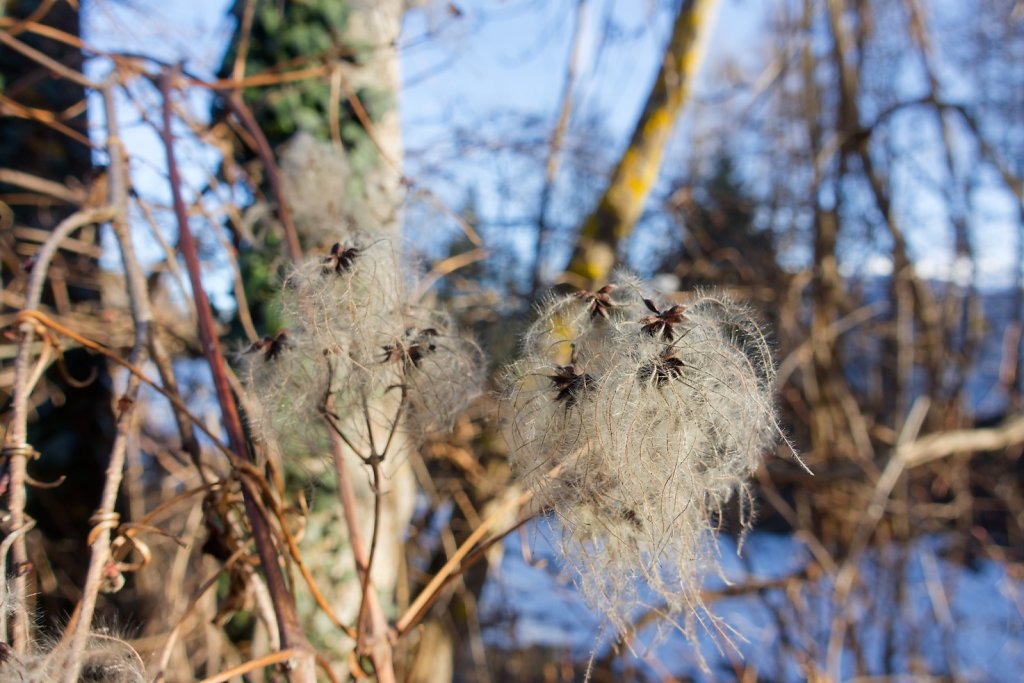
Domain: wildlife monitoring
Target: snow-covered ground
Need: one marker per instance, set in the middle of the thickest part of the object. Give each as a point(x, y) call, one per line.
point(951, 620)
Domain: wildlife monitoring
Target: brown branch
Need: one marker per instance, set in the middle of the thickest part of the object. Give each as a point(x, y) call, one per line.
point(557, 140)
point(172, 637)
point(944, 444)
point(289, 630)
point(42, 186)
point(53, 65)
point(42, 116)
point(373, 461)
point(446, 267)
point(296, 555)
point(415, 611)
point(463, 566)
point(245, 34)
point(16, 446)
point(18, 26)
point(266, 660)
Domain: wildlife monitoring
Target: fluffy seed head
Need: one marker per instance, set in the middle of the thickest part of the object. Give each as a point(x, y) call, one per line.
point(105, 658)
point(634, 422)
point(351, 334)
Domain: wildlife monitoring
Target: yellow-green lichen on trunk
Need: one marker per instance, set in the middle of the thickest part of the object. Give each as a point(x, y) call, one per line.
point(623, 201)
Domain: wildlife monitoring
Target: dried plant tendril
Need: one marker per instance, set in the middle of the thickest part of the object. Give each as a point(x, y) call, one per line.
point(651, 417)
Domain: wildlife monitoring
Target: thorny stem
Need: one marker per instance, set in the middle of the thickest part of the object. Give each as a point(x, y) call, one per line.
point(289, 630)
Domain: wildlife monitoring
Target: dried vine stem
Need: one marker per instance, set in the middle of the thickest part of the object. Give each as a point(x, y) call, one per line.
point(16, 447)
point(105, 519)
point(172, 638)
point(289, 630)
point(35, 55)
point(466, 560)
point(38, 318)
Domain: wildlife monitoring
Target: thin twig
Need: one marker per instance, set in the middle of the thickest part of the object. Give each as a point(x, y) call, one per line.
point(35, 55)
point(375, 639)
point(371, 131)
point(412, 615)
point(42, 186)
point(49, 323)
point(244, 35)
point(16, 445)
point(266, 660)
point(44, 117)
point(172, 637)
point(557, 141)
point(463, 566)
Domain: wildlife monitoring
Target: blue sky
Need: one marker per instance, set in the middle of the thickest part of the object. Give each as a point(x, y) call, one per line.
point(502, 62)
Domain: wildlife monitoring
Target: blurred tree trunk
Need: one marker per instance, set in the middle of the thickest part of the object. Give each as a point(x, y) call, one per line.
point(44, 138)
point(623, 201)
point(828, 384)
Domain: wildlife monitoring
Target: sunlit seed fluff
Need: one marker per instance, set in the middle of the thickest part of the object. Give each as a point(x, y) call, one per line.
point(636, 467)
point(352, 335)
point(441, 370)
point(289, 389)
point(105, 658)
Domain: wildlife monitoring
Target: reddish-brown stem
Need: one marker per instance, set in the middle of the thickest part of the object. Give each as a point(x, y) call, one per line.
point(284, 606)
